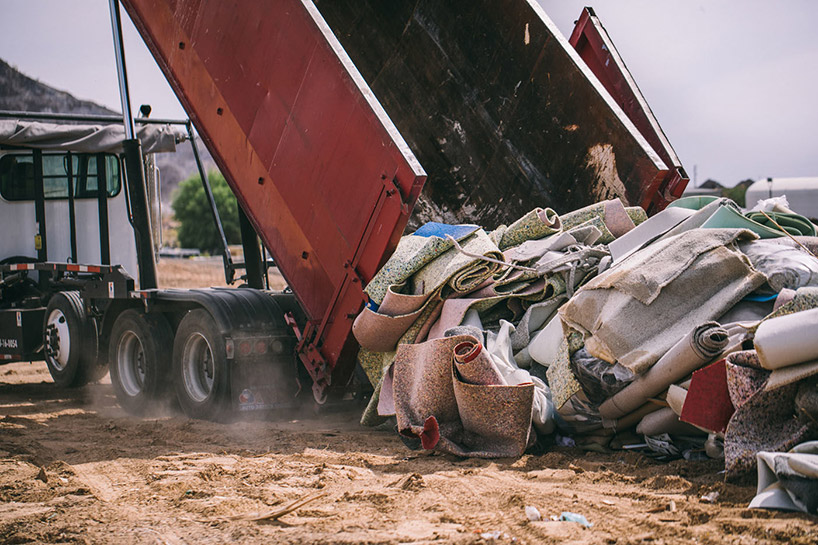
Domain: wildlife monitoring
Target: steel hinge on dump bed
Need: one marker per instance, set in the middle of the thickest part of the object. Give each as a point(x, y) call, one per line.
point(311, 357)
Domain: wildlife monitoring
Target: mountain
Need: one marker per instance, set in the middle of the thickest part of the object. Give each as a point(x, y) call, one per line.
point(22, 93)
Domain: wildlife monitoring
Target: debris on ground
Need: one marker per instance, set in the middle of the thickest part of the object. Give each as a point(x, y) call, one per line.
point(532, 513)
point(567, 516)
point(710, 497)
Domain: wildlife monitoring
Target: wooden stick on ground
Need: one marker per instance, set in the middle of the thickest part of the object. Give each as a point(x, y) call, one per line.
point(274, 514)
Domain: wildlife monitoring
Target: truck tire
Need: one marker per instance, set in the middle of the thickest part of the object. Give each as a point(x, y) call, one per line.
point(139, 361)
point(200, 373)
point(70, 341)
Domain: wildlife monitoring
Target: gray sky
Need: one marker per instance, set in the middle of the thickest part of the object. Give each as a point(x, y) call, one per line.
point(732, 82)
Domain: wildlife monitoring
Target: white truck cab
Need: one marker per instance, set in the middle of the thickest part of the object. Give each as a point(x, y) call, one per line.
point(65, 239)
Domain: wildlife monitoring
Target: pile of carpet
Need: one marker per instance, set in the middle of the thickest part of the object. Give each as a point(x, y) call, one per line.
point(692, 333)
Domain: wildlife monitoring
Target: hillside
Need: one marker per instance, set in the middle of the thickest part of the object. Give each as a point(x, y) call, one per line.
point(20, 92)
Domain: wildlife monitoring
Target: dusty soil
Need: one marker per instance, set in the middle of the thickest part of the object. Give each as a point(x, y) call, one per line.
point(75, 468)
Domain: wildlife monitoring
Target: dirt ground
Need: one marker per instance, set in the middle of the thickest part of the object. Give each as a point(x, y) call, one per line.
point(75, 468)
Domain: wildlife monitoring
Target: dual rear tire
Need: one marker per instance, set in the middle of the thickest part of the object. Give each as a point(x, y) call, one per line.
point(140, 360)
point(145, 372)
point(200, 367)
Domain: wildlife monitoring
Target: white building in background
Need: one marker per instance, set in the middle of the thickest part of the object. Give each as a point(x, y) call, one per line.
point(802, 194)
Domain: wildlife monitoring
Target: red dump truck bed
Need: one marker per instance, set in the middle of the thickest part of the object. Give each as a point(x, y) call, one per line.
point(596, 48)
point(500, 109)
point(324, 176)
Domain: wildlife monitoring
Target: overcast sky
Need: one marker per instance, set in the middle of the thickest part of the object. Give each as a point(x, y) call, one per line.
point(732, 82)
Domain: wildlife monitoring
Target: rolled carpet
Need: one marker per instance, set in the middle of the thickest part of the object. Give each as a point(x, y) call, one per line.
point(380, 331)
point(698, 347)
point(447, 414)
point(536, 224)
point(474, 365)
point(787, 340)
point(455, 270)
point(614, 215)
point(413, 252)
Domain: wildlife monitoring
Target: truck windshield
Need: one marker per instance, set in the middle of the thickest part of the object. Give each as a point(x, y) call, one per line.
point(17, 181)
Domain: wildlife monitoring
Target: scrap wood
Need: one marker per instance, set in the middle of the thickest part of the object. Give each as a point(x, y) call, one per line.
point(667, 507)
point(270, 515)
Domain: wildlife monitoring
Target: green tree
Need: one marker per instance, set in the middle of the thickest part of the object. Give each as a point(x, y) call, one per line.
point(738, 192)
point(196, 228)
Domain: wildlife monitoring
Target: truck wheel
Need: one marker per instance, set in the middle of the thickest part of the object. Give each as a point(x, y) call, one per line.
point(139, 360)
point(69, 341)
point(200, 367)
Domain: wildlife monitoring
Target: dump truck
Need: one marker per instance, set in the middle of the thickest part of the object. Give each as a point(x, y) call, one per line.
point(332, 122)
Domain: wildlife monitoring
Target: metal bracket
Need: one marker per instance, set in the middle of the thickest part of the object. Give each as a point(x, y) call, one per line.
point(352, 272)
point(311, 357)
point(404, 203)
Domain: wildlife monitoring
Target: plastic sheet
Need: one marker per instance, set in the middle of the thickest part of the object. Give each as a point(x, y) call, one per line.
point(499, 346)
point(578, 415)
point(785, 265)
point(788, 481)
point(599, 379)
point(773, 204)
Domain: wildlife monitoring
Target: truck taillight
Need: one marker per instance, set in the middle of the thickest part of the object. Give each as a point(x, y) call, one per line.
point(229, 349)
point(254, 346)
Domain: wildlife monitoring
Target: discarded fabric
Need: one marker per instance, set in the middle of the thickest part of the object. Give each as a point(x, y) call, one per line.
point(788, 481)
point(585, 324)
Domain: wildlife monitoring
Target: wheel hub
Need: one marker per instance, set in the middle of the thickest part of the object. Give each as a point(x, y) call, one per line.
point(57, 339)
point(130, 363)
point(198, 368)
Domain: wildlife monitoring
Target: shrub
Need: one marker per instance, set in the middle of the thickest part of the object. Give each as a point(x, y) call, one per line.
point(738, 193)
point(196, 228)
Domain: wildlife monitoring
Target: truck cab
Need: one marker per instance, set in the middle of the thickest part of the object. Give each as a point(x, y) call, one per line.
point(81, 230)
point(65, 217)
point(65, 239)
